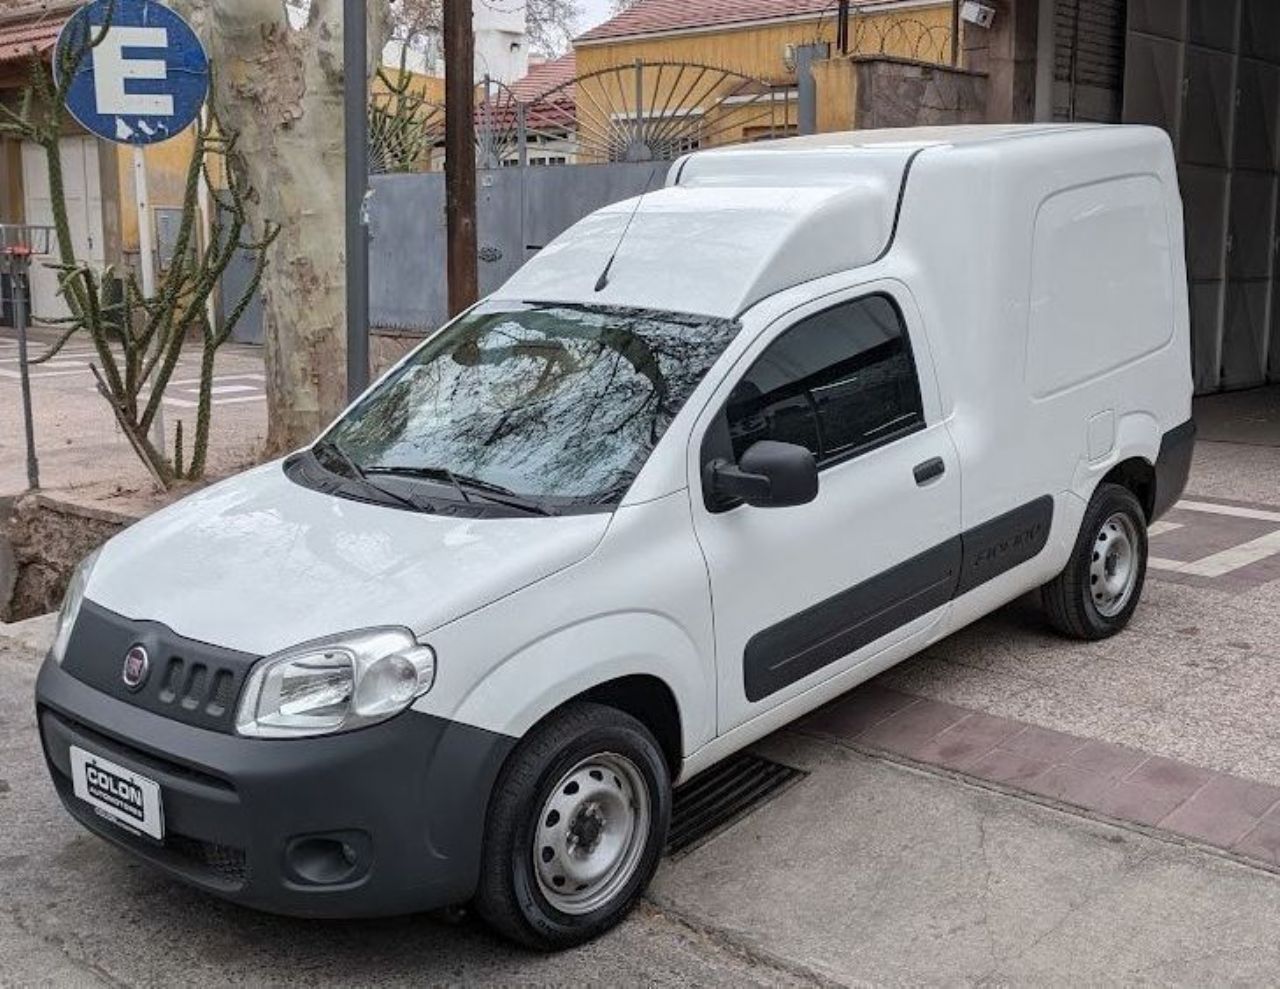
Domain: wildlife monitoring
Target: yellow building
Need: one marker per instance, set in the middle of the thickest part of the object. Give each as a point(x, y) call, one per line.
point(724, 71)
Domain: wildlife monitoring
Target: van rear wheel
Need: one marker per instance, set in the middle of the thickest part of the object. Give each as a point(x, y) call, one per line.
point(576, 827)
point(1096, 594)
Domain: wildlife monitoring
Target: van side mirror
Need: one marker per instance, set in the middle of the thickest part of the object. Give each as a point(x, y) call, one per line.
point(769, 475)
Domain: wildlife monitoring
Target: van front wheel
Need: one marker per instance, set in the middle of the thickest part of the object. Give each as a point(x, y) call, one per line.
point(576, 827)
point(1097, 593)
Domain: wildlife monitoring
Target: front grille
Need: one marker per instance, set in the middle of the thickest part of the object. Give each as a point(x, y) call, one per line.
point(229, 865)
point(193, 687)
point(222, 867)
point(188, 680)
point(219, 866)
point(724, 795)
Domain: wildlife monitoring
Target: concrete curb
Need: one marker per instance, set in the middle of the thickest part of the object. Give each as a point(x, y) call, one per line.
point(33, 633)
point(96, 514)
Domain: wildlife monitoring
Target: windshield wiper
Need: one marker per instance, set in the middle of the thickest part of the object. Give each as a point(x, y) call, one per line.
point(356, 473)
point(494, 493)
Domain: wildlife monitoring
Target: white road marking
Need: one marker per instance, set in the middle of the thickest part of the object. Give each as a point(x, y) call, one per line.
point(63, 358)
point(37, 374)
point(1233, 510)
point(1161, 527)
point(192, 382)
point(182, 403)
point(1221, 564)
point(241, 400)
point(1228, 560)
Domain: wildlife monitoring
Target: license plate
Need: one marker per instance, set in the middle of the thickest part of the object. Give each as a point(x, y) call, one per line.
point(119, 794)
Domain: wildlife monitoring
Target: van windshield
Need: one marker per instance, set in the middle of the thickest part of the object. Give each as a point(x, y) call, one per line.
point(554, 407)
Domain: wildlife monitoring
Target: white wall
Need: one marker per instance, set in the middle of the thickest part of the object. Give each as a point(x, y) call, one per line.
point(502, 50)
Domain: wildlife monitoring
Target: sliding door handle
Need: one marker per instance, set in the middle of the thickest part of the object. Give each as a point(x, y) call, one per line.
point(929, 470)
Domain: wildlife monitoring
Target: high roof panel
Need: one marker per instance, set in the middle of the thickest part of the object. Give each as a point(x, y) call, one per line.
point(715, 248)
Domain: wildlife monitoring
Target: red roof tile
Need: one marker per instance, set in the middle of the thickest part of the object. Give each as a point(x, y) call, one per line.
point(37, 32)
point(649, 16)
point(544, 77)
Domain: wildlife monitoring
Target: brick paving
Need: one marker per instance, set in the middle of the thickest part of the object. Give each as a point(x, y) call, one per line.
point(1215, 808)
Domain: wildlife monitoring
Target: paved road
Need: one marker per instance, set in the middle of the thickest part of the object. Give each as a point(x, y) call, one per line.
point(864, 872)
point(76, 912)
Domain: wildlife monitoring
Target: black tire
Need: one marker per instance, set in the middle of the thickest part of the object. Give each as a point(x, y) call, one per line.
point(509, 896)
point(1069, 599)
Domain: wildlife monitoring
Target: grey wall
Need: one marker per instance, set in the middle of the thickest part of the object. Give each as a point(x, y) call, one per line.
point(519, 210)
point(1208, 71)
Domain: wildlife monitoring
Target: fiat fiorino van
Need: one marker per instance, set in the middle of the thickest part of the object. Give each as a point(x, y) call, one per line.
point(709, 460)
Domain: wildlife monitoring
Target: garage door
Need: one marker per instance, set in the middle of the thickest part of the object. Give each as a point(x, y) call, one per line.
point(1208, 71)
point(84, 213)
point(1088, 60)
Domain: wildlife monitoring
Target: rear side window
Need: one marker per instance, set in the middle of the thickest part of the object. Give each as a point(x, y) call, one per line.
point(839, 382)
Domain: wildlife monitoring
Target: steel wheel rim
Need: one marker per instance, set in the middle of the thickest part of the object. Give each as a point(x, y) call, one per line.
point(591, 833)
point(1113, 571)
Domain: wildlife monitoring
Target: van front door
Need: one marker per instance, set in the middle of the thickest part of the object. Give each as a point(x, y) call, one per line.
point(803, 594)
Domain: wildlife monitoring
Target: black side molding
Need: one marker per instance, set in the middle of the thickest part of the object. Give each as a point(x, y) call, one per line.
point(795, 647)
point(818, 636)
point(1173, 466)
point(1005, 542)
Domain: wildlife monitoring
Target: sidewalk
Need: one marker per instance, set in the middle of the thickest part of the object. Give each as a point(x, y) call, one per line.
point(81, 450)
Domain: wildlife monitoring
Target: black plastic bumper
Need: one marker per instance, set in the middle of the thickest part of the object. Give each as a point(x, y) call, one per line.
point(1173, 466)
point(252, 820)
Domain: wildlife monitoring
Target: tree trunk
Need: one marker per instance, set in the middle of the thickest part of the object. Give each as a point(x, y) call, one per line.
point(281, 90)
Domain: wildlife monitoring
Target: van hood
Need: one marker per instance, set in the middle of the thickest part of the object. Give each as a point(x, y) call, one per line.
point(259, 563)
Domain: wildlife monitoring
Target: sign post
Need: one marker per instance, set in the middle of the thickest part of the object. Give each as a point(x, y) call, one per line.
point(18, 244)
point(145, 82)
point(355, 38)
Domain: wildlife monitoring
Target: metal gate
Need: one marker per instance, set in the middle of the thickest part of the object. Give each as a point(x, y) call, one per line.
point(640, 111)
point(613, 132)
point(1208, 71)
point(519, 211)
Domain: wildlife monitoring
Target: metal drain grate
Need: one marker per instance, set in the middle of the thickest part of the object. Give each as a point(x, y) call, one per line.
point(724, 794)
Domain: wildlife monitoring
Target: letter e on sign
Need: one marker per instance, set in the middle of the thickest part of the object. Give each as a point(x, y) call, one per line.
point(138, 73)
point(112, 67)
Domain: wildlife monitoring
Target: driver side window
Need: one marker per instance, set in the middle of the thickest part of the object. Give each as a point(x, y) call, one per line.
point(840, 382)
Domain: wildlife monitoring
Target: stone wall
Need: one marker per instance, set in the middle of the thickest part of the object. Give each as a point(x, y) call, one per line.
point(893, 92)
point(41, 541)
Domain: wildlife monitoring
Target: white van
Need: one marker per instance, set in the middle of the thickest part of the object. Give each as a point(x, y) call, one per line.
point(711, 459)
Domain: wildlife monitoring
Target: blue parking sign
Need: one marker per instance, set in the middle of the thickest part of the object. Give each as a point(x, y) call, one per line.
point(145, 82)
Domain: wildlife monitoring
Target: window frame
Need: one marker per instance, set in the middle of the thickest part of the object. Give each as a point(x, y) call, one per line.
point(716, 440)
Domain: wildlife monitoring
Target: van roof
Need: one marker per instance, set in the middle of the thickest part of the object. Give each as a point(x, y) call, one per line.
point(738, 224)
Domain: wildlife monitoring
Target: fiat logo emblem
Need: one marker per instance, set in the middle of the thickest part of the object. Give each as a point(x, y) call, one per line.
point(136, 665)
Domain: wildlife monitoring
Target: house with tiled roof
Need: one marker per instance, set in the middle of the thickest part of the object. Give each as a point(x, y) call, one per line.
point(753, 36)
point(29, 31)
point(756, 41)
point(549, 96)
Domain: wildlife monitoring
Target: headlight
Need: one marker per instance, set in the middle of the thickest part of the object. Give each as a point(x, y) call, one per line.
point(335, 684)
point(71, 603)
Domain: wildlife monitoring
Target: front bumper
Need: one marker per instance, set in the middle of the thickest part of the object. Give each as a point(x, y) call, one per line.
point(245, 819)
